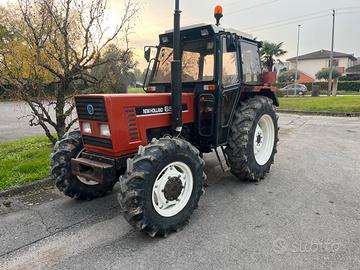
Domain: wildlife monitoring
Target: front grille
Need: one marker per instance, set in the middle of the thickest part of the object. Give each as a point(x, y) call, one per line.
point(98, 104)
point(101, 142)
point(132, 125)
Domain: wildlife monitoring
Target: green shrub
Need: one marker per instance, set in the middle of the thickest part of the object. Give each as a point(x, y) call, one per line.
point(324, 74)
point(349, 86)
point(287, 76)
point(350, 78)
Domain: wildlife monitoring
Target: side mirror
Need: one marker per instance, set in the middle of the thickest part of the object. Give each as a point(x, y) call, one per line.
point(147, 53)
point(230, 43)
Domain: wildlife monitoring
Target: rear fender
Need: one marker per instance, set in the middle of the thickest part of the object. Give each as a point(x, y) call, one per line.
point(263, 92)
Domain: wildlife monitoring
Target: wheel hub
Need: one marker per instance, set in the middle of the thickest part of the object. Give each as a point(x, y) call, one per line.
point(259, 137)
point(173, 188)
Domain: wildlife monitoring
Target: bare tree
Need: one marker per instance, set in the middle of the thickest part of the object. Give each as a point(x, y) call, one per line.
point(63, 41)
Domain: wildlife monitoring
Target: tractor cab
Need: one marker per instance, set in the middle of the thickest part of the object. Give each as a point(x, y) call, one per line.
point(210, 57)
point(218, 66)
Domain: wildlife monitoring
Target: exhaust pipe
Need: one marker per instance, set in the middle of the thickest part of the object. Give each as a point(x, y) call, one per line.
point(176, 71)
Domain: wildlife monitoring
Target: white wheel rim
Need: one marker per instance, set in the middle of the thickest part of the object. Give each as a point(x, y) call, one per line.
point(83, 179)
point(163, 205)
point(264, 139)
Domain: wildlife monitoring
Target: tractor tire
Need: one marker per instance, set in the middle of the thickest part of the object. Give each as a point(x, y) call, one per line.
point(162, 186)
point(71, 146)
point(253, 139)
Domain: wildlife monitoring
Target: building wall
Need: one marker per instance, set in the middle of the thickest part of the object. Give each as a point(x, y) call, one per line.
point(346, 62)
point(311, 67)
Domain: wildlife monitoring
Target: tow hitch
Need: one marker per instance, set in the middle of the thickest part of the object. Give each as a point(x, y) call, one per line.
point(92, 170)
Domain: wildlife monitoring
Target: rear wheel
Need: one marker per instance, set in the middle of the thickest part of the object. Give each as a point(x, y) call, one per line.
point(162, 186)
point(253, 138)
point(71, 146)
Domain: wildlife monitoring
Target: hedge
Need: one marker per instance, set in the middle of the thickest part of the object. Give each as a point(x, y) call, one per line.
point(349, 86)
point(342, 85)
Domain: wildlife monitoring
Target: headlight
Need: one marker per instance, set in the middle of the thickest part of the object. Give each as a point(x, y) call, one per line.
point(86, 127)
point(104, 130)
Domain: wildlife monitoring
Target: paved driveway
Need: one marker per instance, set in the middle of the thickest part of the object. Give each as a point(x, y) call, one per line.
point(14, 123)
point(304, 215)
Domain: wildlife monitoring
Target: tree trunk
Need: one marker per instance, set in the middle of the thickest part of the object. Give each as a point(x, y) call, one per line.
point(59, 110)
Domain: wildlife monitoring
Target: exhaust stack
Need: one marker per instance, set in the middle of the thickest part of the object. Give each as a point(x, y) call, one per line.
point(176, 70)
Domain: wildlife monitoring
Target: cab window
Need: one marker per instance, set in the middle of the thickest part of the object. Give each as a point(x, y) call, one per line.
point(250, 63)
point(229, 66)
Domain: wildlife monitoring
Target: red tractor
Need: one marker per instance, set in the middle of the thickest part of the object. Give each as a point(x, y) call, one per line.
point(205, 91)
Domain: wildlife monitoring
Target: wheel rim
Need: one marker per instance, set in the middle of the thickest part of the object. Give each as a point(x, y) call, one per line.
point(83, 179)
point(264, 139)
point(172, 189)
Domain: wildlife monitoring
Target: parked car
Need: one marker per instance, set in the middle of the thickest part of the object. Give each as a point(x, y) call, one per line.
point(294, 89)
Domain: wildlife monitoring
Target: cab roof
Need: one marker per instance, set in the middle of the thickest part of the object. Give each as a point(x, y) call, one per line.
point(202, 31)
point(215, 30)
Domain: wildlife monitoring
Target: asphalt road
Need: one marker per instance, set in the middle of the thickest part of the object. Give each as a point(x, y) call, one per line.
point(14, 121)
point(304, 215)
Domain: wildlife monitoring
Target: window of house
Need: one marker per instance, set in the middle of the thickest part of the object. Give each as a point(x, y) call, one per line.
point(335, 62)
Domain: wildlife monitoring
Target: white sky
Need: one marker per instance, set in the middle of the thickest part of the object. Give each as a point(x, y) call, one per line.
point(157, 16)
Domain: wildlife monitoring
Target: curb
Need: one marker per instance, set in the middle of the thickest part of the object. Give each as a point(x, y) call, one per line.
point(322, 113)
point(27, 187)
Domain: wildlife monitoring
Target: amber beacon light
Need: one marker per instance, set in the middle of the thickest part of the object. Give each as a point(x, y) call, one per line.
point(218, 13)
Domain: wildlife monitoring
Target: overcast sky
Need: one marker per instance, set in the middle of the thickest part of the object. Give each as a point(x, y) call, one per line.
point(245, 15)
point(271, 20)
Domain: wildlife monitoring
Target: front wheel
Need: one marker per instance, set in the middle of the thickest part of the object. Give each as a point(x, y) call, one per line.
point(253, 139)
point(71, 146)
point(162, 186)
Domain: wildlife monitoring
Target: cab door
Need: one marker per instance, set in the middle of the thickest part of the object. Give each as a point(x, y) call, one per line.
point(229, 92)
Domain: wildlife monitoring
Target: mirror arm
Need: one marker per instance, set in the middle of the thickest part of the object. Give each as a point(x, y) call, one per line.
point(147, 74)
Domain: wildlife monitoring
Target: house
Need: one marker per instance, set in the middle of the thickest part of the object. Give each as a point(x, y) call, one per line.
point(353, 72)
point(311, 63)
point(284, 66)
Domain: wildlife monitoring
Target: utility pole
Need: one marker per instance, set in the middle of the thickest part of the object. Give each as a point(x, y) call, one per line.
point(297, 57)
point(330, 88)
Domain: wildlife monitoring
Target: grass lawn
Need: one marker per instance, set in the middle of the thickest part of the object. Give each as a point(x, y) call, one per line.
point(135, 90)
point(333, 104)
point(24, 161)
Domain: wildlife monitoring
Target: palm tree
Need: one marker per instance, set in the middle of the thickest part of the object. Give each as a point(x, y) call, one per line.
point(269, 52)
